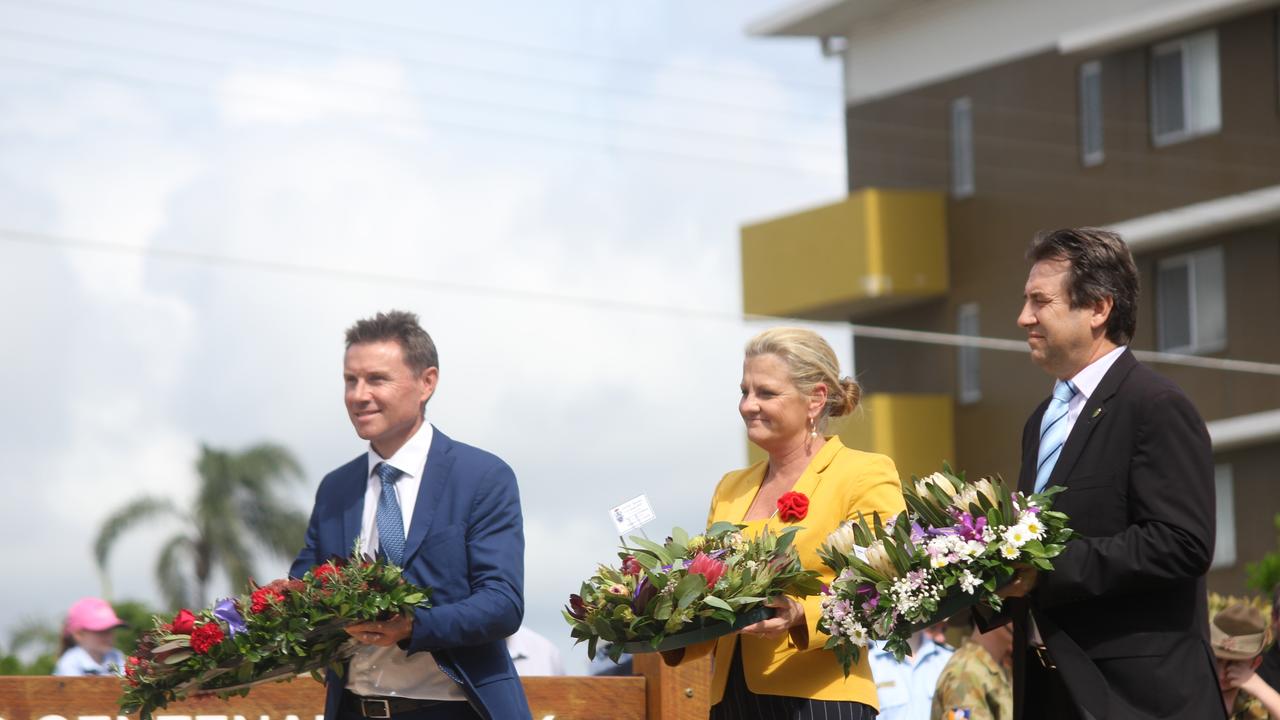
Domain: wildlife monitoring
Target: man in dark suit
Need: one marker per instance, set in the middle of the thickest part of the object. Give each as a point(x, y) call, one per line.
point(1119, 628)
point(449, 514)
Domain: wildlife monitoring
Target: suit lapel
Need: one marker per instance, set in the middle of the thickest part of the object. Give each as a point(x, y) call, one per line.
point(435, 476)
point(353, 505)
point(1027, 476)
point(739, 504)
point(809, 481)
point(1091, 416)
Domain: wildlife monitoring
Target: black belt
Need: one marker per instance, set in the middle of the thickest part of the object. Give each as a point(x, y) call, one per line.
point(385, 707)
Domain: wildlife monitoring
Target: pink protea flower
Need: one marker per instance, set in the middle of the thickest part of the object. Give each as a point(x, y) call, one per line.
point(708, 567)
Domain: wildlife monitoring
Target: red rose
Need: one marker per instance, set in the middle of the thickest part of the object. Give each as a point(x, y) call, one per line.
point(793, 506)
point(264, 597)
point(631, 566)
point(184, 622)
point(205, 637)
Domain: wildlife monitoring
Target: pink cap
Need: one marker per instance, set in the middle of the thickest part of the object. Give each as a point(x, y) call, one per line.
point(92, 614)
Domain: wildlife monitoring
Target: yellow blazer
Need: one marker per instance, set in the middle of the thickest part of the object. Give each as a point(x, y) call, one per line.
point(840, 483)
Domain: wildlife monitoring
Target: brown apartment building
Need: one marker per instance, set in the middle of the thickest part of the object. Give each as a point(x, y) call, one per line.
point(972, 124)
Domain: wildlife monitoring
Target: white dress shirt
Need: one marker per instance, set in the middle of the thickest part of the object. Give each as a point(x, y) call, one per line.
point(1086, 382)
point(390, 671)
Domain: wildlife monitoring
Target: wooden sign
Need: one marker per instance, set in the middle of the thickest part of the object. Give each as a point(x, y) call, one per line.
point(660, 694)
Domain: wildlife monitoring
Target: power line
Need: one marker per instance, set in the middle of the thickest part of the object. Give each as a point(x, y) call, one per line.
point(1020, 346)
point(576, 143)
point(435, 97)
point(520, 47)
point(310, 46)
point(381, 278)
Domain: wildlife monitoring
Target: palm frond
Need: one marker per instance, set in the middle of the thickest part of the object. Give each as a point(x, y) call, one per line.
point(120, 521)
point(280, 530)
point(40, 635)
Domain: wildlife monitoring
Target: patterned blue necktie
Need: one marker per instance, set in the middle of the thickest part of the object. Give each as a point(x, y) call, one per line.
point(1053, 431)
point(390, 521)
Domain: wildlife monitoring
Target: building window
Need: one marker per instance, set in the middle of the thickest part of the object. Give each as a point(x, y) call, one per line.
point(1185, 98)
point(1091, 113)
point(1224, 543)
point(1191, 304)
point(969, 379)
point(962, 147)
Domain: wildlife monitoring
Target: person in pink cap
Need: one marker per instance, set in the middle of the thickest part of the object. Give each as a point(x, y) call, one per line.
point(88, 640)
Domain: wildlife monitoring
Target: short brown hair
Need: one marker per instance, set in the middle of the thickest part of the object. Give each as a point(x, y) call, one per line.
point(1101, 267)
point(419, 351)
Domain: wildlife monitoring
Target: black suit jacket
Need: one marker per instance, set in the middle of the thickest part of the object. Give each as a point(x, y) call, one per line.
point(1123, 613)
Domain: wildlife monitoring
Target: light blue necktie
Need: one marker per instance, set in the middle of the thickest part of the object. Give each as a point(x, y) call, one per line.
point(390, 521)
point(1053, 431)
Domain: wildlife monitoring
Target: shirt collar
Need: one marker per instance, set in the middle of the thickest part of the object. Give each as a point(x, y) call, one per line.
point(1086, 381)
point(411, 458)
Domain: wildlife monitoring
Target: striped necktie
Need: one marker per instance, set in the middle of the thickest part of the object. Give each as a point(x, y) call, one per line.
point(1053, 431)
point(390, 521)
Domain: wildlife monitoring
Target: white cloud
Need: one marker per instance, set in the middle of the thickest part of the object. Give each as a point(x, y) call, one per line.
point(298, 167)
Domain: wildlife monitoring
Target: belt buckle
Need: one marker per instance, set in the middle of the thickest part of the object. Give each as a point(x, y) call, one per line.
point(365, 705)
point(1042, 653)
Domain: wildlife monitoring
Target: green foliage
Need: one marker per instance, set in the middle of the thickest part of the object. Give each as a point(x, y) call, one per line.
point(236, 501)
point(290, 627)
point(38, 640)
point(1264, 575)
point(660, 591)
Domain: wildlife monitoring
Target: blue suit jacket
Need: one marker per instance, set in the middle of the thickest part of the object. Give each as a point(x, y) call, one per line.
point(465, 542)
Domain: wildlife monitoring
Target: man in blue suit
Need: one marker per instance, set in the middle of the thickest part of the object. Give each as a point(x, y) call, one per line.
point(449, 514)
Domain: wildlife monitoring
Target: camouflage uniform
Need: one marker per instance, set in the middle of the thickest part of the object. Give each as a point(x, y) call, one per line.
point(972, 687)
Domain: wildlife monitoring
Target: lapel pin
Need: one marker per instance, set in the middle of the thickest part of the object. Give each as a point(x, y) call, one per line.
point(1096, 413)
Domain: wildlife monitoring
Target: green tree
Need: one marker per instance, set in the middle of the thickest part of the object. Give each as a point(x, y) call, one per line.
point(1265, 574)
point(236, 507)
point(36, 638)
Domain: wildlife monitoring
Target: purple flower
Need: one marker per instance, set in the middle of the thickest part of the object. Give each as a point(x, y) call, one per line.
point(917, 533)
point(226, 611)
point(967, 528)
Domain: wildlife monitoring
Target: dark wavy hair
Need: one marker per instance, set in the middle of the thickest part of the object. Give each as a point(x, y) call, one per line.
point(417, 346)
point(1101, 267)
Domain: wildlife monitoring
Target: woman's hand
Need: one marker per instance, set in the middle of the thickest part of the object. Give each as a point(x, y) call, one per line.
point(382, 634)
point(790, 614)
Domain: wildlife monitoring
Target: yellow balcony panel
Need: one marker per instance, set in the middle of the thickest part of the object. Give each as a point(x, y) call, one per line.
point(917, 430)
point(874, 250)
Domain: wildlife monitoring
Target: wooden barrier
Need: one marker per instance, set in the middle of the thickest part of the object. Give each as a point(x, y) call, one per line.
point(658, 693)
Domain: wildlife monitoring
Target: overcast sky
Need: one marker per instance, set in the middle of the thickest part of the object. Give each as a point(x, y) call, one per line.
point(197, 197)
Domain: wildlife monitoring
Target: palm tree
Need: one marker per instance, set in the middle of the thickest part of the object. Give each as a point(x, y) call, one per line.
point(235, 504)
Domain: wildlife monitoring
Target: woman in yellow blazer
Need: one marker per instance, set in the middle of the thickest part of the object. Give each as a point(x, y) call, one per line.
point(777, 667)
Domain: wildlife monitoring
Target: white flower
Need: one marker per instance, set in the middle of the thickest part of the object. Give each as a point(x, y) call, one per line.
point(938, 561)
point(1009, 552)
point(1032, 525)
point(1017, 536)
point(968, 582)
point(855, 632)
point(841, 540)
point(988, 490)
point(938, 480)
point(880, 561)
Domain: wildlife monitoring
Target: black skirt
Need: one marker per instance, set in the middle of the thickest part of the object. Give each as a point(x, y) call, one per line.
point(739, 703)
